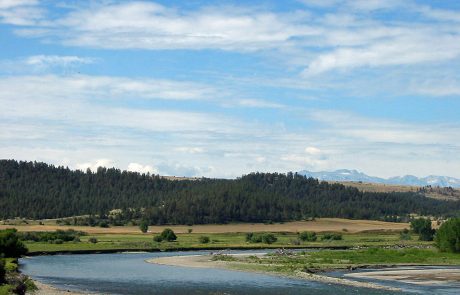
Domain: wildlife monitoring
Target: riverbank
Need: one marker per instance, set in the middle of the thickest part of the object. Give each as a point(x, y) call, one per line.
point(207, 261)
point(45, 289)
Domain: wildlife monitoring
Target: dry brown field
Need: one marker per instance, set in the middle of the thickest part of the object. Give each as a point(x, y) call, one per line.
point(387, 188)
point(318, 225)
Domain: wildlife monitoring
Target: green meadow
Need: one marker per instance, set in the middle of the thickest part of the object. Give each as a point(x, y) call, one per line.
point(145, 242)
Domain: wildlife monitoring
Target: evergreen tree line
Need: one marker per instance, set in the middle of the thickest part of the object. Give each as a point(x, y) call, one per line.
point(38, 190)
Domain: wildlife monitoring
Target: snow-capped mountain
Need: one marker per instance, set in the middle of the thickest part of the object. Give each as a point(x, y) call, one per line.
point(354, 175)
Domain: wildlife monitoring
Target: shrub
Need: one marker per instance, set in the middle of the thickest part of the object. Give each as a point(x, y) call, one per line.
point(157, 238)
point(405, 235)
point(64, 235)
point(203, 239)
point(269, 238)
point(58, 241)
point(168, 235)
point(144, 226)
point(448, 236)
point(30, 285)
point(2, 271)
point(10, 245)
point(422, 227)
point(331, 237)
point(92, 240)
point(104, 224)
point(189, 230)
point(308, 236)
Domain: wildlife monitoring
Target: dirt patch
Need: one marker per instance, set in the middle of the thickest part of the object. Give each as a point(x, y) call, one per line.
point(413, 276)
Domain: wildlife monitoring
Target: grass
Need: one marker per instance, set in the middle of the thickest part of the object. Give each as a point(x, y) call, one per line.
point(112, 242)
point(345, 259)
point(5, 289)
point(11, 264)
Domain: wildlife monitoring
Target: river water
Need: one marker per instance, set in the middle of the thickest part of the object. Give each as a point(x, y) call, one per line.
point(128, 273)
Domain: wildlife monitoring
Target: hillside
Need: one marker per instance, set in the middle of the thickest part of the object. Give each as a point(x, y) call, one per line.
point(38, 190)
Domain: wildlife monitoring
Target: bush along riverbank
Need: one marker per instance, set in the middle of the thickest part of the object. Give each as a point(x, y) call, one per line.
point(11, 280)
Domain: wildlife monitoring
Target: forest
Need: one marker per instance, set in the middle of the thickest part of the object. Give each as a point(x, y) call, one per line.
point(38, 190)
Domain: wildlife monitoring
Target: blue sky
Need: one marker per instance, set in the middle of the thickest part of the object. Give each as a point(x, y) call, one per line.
point(224, 88)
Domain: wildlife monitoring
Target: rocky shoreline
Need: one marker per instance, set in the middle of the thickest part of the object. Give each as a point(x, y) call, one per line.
point(45, 289)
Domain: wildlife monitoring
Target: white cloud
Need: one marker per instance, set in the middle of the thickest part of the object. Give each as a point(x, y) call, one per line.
point(374, 130)
point(20, 12)
point(311, 150)
point(261, 159)
point(107, 163)
point(343, 38)
point(149, 25)
point(440, 14)
point(56, 60)
point(437, 87)
point(81, 117)
point(407, 50)
point(299, 161)
point(179, 169)
point(73, 87)
point(189, 150)
point(259, 103)
point(364, 5)
point(143, 169)
point(6, 4)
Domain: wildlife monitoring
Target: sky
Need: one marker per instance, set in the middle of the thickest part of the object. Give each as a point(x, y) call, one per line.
point(225, 88)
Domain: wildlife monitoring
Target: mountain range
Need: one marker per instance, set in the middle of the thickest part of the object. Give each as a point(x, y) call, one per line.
point(354, 175)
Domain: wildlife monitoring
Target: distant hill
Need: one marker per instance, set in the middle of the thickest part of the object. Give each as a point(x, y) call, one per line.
point(38, 191)
point(354, 175)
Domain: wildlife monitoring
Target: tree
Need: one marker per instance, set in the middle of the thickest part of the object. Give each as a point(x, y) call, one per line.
point(269, 238)
point(308, 236)
point(38, 190)
point(448, 236)
point(10, 245)
point(422, 227)
point(168, 235)
point(144, 226)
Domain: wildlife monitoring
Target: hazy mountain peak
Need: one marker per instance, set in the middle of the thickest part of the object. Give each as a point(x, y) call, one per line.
point(354, 175)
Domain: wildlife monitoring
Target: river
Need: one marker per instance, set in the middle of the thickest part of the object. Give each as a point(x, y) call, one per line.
point(128, 273)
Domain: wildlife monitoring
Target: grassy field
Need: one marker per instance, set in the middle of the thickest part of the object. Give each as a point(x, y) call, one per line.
point(318, 225)
point(128, 242)
point(356, 233)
